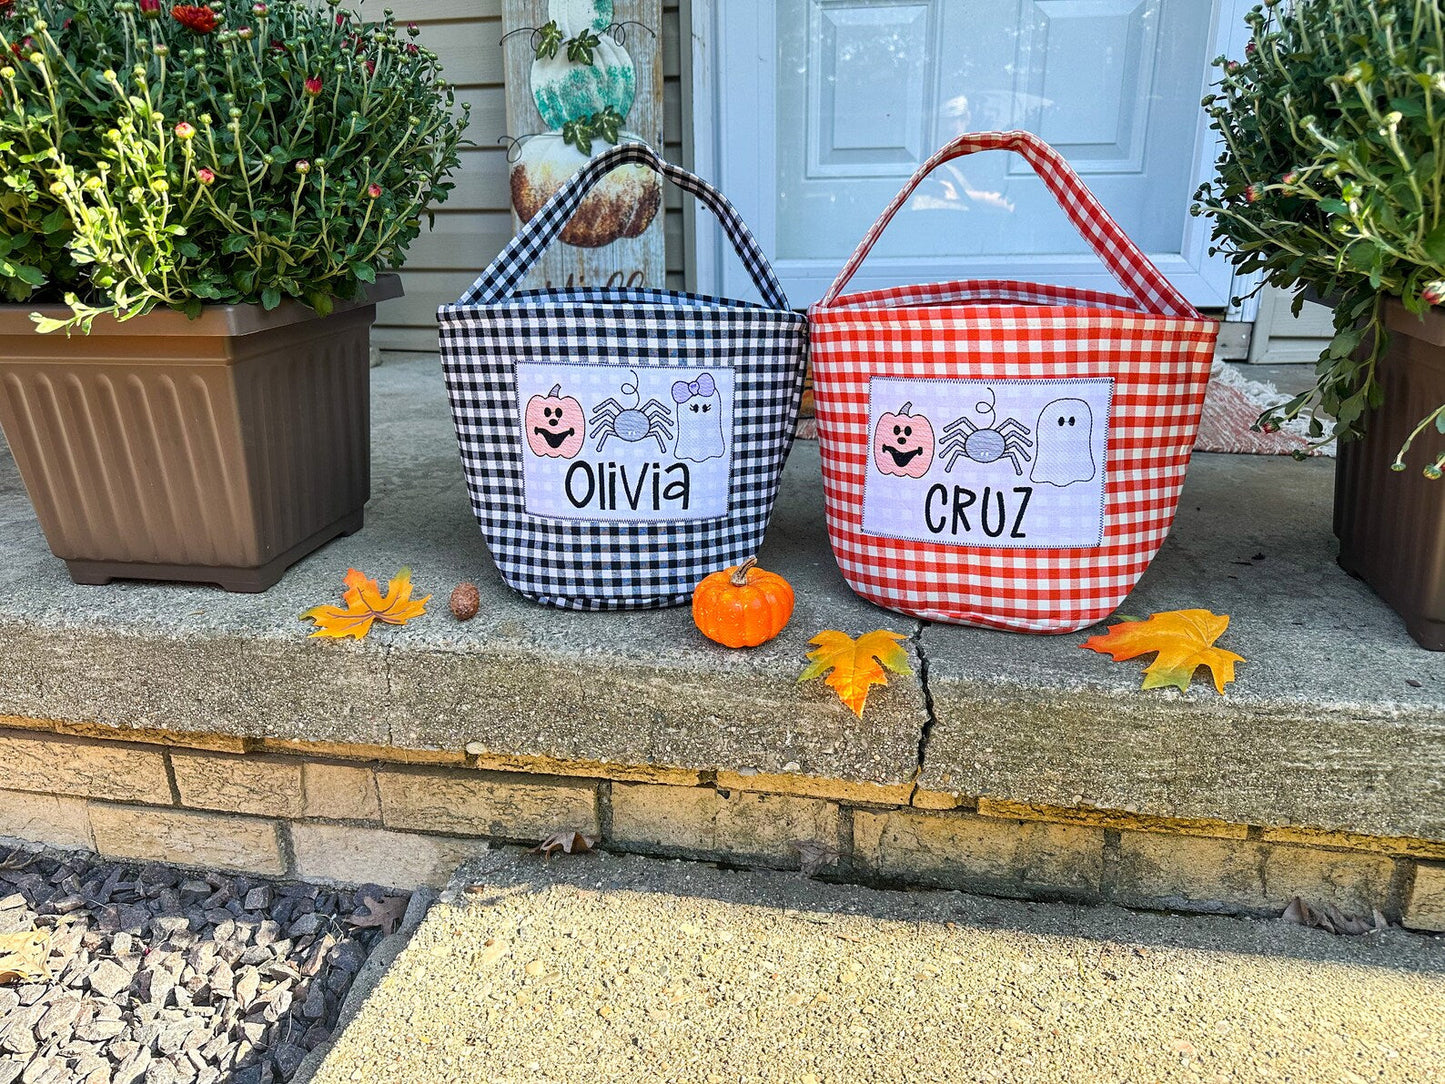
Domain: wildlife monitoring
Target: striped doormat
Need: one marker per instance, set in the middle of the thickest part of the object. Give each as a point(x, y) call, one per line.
point(1231, 405)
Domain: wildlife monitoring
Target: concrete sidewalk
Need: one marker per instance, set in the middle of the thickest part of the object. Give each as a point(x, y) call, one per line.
point(617, 968)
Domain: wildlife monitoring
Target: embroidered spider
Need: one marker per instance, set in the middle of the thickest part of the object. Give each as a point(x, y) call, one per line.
point(637, 422)
point(985, 443)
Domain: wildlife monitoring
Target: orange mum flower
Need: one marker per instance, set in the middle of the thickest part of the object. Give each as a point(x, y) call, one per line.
point(194, 17)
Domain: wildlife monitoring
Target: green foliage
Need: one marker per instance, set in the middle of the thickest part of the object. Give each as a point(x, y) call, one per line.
point(581, 48)
point(548, 37)
point(289, 151)
point(606, 125)
point(1331, 176)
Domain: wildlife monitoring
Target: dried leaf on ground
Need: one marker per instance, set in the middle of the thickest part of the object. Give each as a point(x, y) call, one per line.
point(1332, 920)
point(384, 914)
point(855, 664)
point(1184, 640)
point(814, 857)
point(24, 956)
point(569, 841)
point(363, 603)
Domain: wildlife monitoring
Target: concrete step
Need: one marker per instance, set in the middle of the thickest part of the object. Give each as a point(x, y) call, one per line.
point(618, 968)
point(1321, 772)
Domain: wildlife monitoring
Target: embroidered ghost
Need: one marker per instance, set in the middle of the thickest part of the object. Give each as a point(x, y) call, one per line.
point(699, 419)
point(1066, 443)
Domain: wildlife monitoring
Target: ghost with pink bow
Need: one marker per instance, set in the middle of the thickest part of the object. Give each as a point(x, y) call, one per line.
point(699, 418)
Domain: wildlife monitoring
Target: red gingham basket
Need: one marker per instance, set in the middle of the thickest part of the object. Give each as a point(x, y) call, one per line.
point(1146, 357)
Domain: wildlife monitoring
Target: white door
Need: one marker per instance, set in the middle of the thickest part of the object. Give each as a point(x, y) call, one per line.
point(812, 113)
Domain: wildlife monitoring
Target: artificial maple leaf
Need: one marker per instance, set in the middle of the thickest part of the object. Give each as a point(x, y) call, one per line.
point(363, 603)
point(24, 956)
point(383, 914)
point(855, 663)
point(1184, 640)
point(565, 841)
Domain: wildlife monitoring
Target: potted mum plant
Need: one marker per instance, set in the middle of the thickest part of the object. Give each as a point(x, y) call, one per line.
point(1332, 177)
point(199, 203)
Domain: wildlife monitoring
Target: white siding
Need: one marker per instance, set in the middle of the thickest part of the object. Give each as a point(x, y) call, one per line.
point(1280, 336)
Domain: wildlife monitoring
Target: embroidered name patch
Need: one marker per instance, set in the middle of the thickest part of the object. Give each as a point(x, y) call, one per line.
point(1015, 463)
point(626, 444)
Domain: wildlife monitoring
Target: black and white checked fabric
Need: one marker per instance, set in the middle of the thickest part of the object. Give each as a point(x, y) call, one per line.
point(598, 565)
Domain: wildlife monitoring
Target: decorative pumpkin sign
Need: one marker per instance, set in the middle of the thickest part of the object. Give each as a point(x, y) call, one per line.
point(623, 203)
point(591, 74)
point(903, 443)
point(743, 606)
point(584, 85)
point(555, 425)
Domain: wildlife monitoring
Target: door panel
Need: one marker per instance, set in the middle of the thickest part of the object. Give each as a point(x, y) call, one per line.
point(1104, 129)
point(868, 74)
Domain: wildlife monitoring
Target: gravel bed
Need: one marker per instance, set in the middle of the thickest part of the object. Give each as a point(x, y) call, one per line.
point(162, 975)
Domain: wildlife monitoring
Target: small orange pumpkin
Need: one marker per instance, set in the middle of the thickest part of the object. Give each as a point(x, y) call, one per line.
point(743, 606)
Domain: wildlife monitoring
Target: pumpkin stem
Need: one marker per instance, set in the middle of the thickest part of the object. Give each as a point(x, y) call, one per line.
point(556, 392)
point(740, 574)
point(906, 408)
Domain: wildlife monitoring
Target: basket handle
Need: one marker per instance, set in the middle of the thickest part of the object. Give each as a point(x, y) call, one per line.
point(506, 272)
point(1134, 270)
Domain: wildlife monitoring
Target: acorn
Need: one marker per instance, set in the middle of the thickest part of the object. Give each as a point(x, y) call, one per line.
point(465, 602)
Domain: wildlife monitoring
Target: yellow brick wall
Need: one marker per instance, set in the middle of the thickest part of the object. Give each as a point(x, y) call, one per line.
point(403, 818)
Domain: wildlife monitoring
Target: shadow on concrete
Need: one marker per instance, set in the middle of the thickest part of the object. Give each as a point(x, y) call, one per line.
point(505, 875)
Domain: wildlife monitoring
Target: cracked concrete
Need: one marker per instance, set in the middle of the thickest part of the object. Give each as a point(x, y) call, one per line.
point(925, 733)
point(1337, 720)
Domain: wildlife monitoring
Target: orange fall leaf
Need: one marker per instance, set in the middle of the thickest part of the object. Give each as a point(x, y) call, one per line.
point(855, 664)
point(363, 603)
point(1184, 640)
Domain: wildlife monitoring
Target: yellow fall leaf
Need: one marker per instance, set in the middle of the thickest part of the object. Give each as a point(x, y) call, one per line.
point(1184, 640)
point(855, 663)
point(363, 603)
point(24, 956)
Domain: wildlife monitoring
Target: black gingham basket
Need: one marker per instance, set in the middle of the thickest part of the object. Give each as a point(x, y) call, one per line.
point(620, 444)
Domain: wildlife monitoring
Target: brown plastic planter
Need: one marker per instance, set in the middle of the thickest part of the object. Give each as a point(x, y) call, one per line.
point(217, 450)
point(1391, 526)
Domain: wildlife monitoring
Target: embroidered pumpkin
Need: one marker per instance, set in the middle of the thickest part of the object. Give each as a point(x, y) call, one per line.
point(743, 606)
point(555, 425)
point(903, 444)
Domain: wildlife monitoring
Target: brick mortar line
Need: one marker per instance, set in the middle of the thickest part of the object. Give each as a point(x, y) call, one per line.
point(1109, 864)
point(847, 861)
point(1401, 890)
point(372, 826)
point(171, 778)
point(286, 846)
point(603, 806)
point(138, 802)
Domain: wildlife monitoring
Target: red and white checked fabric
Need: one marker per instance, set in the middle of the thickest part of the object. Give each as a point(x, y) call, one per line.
point(1152, 343)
